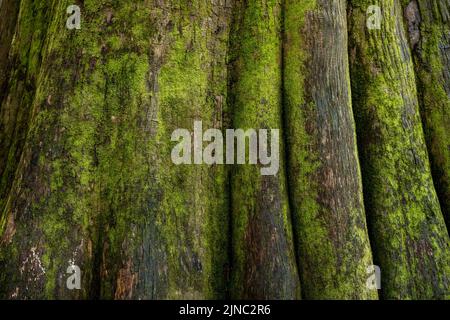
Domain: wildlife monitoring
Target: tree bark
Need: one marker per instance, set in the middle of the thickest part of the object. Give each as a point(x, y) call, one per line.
point(21, 59)
point(429, 34)
point(324, 176)
point(86, 171)
point(22, 263)
point(95, 185)
point(9, 10)
point(410, 241)
point(182, 249)
point(263, 263)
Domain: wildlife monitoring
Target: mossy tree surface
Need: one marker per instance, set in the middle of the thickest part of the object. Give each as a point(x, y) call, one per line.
point(183, 249)
point(87, 179)
point(21, 53)
point(428, 24)
point(9, 10)
point(409, 237)
point(324, 177)
point(95, 185)
point(263, 262)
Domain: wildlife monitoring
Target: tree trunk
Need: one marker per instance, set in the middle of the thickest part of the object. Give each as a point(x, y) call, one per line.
point(181, 250)
point(429, 33)
point(9, 9)
point(95, 185)
point(325, 181)
point(409, 237)
point(263, 264)
point(88, 123)
point(22, 62)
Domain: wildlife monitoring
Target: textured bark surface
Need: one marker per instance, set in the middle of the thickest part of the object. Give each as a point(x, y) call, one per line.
point(17, 91)
point(9, 10)
point(263, 262)
point(324, 177)
point(87, 179)
point(181, 252)
point(95, 185)
point(429, 33)
point(409, 237)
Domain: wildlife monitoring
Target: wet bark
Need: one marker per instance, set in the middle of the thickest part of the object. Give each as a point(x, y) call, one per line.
point(324, 177)
point(87, 179)
point(9, 10)
point(409, 238)
point(263, 261)
point(19, 67)
point(428, 25)
point(94, 184)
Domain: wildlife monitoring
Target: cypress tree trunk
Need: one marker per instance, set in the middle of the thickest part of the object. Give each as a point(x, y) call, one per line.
point(95, 185)
point(87, 178)
point(24, 264)
point(429, 33)
point(9, 10)
point(325, 181)
point(182, 249)
point(263, 264)
point(22, 62)
point(410, 241)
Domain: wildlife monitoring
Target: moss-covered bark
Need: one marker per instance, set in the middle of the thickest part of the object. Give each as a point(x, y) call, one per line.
point(86, 176)
point(22, 263)
point(9, 10)
point(263, 263)
point(95, 185)
point(19, 67)
point(428, 24)
point(324, 177)
point(410, 241)
point(181, 244)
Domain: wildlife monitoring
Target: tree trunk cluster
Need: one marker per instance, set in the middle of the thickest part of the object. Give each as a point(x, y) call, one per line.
point(87, 180)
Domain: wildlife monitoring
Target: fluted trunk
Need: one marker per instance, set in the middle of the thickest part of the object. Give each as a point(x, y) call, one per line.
point(95, 185)
point(428, 24)
point(263, 262)
point(409, 237)
point(324, 175)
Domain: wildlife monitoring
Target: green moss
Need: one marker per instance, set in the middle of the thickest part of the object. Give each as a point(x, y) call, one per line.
point(99, 166)
point(256, 101)
point(431, 65)
point(409, 237)
point(333, 246)
point(28, 42)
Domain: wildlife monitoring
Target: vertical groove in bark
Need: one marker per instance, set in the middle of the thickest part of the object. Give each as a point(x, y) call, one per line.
point(86, 176)
point(410, 241)
point(18, 89)
point(429, 32)
point(95, 185)
point(263, 264)
point(9, 10)
point(324, 177)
